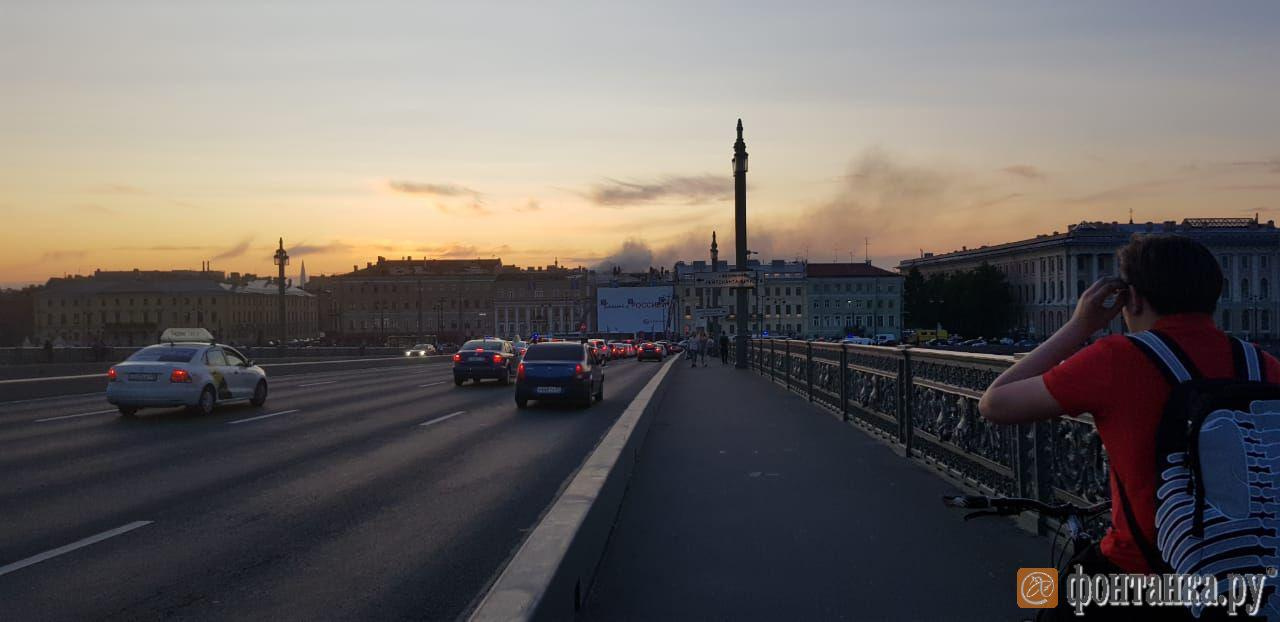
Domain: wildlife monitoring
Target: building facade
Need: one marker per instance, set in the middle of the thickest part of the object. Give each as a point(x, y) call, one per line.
point(1049, 272)
point(407, 299)
point(545, 301)
point(132, 308)
point(846, 299)
point(776, 300)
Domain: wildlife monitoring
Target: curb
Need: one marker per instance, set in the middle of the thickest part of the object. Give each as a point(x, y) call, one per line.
point(550, 575)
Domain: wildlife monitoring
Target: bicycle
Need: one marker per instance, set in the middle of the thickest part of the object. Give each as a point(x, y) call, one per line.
point(1072, 518)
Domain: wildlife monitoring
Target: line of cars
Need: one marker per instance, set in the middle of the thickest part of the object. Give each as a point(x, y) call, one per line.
point(190, 369)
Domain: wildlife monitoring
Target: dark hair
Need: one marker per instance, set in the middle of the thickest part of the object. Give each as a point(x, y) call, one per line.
point(1175, 274)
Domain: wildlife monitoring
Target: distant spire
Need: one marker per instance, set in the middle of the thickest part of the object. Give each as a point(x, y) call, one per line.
point(739, 129)
point(302, 276)
point(281, 243)
point(715, 252)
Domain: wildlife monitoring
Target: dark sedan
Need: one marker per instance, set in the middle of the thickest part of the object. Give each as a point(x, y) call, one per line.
point(650, 351)
point(559, 371)
point(484, 358)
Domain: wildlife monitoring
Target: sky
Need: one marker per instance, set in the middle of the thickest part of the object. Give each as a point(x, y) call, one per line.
point(159, 135)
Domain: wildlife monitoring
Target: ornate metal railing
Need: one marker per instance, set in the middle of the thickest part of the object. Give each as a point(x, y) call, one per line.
point(926, 402)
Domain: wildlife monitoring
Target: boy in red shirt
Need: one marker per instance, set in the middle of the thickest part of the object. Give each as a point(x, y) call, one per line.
point(1168, 283)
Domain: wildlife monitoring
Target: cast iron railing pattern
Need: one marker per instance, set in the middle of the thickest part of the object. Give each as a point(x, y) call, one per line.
point(926, 402)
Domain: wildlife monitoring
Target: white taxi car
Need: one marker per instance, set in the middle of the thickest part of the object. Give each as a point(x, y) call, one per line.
point(422, 349)
point(187, 369)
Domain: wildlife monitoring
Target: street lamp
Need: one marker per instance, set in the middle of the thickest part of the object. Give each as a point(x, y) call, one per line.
point(281, 259)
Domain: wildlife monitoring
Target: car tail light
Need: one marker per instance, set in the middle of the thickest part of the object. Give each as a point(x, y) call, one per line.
point(111, 375)
point(520, 372)
point(180, 375)
point(577, 371)
point(457, 358)
point(497, 358)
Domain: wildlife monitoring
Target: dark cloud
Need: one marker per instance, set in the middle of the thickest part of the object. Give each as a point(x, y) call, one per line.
point(62, 255)
point(687, 190)
point(160, 247)
point(1252, 187)
point(1125, 192)
point(304, 248)
point(1270, 166)
point(1026, 171)
point(881, 197)
point(474, 208)
point(439, 190)
point(239, 249)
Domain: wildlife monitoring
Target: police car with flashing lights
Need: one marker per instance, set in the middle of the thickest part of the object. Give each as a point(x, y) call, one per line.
point(187, 368)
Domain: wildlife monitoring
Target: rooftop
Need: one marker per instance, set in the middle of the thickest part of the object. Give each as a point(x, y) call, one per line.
point(828, 270)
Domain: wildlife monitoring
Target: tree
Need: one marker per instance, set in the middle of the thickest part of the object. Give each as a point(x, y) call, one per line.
point(978, 302)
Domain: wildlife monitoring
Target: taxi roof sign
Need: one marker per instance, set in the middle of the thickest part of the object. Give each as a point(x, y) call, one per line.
point(172, 335)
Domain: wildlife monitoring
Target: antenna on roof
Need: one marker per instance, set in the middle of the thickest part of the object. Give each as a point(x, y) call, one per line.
point(1131, 215)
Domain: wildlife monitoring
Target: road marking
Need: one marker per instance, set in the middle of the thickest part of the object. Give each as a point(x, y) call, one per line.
point(439, 419)
point(96, 412)
point(283, 412)
point(316, 384)
point(78, 544)
point(430, 384)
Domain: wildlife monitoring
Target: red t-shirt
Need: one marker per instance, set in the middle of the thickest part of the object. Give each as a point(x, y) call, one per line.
point(1126, 393)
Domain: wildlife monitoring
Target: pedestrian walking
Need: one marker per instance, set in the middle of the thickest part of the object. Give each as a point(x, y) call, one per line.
point(692, 351)
point(724, 349)
point(704, 344)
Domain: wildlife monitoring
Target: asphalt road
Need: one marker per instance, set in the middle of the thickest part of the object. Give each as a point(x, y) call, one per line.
point(359, 494)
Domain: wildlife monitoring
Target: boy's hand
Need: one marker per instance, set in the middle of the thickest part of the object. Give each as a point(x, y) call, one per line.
point(1091, 314)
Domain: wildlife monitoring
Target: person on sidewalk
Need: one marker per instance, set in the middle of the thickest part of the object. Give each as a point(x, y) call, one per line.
point(1167, 290)
point(692, 351)
point(724, 349)
point(704, 344)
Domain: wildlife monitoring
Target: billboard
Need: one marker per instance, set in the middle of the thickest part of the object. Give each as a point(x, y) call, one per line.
point(633, 309)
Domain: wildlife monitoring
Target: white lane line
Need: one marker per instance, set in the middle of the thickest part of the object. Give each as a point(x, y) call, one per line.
point(440, 419)
point(430, 384)
point(96, 412)
point(283, 412)
point(316, 384)
point(78, 544)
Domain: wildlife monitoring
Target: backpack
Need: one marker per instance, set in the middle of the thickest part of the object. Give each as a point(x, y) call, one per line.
point(1218, 470)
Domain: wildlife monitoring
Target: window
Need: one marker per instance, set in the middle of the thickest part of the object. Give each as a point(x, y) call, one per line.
point(1264, 289)
point(214, 358)
point(1226, 319)
point(1244, 287)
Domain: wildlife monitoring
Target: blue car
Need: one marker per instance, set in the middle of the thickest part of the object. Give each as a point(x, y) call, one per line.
point(484, 358)
point(560, 371)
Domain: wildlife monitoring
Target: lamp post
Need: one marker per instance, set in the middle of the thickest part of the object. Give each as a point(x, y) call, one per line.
point(281, 260)
point(740, 238)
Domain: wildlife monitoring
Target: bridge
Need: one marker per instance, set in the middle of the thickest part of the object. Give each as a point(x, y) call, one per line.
point(803, 487)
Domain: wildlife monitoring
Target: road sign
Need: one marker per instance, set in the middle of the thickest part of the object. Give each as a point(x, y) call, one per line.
point(736, 278)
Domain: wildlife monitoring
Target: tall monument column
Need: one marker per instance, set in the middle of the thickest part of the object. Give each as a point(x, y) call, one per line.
point(740, 234)
point(281, 259)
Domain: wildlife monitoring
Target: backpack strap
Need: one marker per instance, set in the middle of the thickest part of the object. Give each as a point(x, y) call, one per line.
point(1247, 360)
point(1167, 356)
point(1149, 551)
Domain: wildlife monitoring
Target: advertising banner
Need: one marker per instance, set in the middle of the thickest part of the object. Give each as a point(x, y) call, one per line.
point(633, 309)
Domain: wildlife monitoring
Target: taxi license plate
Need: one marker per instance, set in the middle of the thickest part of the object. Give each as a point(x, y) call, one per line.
point(548, 390)
point(143, 377)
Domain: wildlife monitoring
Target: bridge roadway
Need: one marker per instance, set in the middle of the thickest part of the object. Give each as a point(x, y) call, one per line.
point(750, 503)
point(357, 494)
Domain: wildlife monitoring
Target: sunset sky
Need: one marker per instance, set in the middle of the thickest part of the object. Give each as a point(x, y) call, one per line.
point(156, 135)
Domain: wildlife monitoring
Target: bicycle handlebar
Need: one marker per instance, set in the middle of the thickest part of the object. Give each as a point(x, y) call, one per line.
point(1008, 506)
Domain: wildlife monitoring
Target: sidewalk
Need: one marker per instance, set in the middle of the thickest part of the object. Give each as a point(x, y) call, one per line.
point(749, 503)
